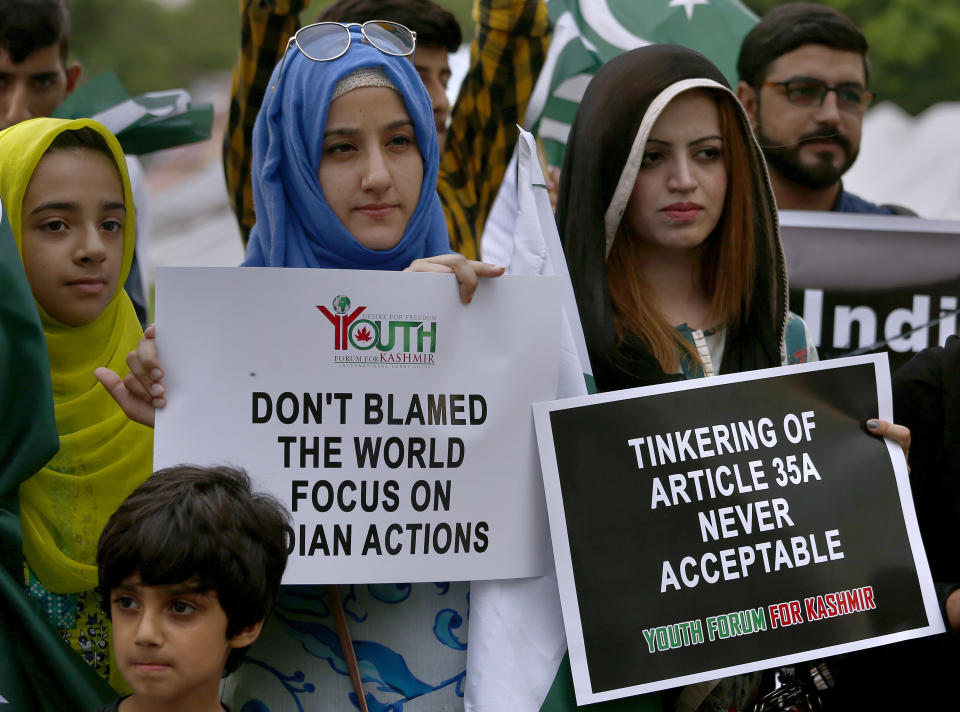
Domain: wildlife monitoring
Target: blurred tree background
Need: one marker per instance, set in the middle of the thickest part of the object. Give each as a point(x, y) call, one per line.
point(154, 45)
point(161, 44)
point(164, 44)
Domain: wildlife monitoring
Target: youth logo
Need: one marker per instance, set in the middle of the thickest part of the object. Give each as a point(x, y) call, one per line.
point(380, 339)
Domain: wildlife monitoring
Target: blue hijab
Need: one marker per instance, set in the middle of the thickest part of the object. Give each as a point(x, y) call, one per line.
point(295, 226)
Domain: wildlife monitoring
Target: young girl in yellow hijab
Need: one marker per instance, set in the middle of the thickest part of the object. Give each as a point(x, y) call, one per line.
point(66, 189)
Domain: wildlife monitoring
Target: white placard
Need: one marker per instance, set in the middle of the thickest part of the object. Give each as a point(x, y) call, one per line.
point(308, 377)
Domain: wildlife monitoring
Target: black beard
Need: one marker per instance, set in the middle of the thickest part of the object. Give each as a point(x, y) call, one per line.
point(785, 159)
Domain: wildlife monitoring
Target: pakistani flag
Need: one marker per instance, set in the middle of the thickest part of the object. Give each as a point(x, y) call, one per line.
point(516, 658)
point(38, 671)
point(145, 123)
point(588, 33)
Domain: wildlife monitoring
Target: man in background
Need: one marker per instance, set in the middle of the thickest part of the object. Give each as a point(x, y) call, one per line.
point(35, 78)
point(34, 74)
point(438, 36)
point(804, 80)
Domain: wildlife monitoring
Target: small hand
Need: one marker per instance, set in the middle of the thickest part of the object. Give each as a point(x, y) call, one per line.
point(140, 392)
point(468, 271)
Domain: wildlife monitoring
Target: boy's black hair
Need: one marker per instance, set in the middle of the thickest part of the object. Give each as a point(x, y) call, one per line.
point(204, 525)
point(790, 27)
point(29, 25)
point(85, 137)
point(435, 26)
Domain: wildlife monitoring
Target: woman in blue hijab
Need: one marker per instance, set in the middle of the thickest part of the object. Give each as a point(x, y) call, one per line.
point(296, 225)
point(345, 163)
point(338, 150)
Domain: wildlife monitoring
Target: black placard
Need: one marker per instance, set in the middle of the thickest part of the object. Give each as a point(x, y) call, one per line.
point(636, 545)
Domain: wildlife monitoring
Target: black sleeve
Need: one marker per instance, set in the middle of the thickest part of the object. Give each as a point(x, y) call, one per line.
point(918, 404)
point(926, 399)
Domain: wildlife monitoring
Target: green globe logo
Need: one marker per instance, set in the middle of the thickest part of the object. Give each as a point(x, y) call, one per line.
point(341, 303)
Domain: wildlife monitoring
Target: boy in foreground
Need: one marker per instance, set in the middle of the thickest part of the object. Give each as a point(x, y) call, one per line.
point(189, 569)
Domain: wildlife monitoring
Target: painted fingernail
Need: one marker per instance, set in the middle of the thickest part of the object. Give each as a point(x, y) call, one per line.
point(156, 389)
point(156, 374)
point(873, 424)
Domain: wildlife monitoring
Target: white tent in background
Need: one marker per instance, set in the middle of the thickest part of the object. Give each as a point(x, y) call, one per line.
point(910, 161)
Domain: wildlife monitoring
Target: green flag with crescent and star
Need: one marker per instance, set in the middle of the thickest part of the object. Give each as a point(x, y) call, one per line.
point(588, 33)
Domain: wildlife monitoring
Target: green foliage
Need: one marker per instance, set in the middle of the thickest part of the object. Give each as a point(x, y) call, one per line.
point(913, 47)
point(152, 46)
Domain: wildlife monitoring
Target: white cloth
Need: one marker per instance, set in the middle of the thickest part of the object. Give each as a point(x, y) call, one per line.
point(516, 627)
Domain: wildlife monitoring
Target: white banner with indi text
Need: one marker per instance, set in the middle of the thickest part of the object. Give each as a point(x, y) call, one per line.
point(391, 419)
point(873, 283)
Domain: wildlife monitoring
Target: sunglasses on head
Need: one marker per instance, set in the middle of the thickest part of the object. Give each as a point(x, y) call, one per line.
point(326, 41)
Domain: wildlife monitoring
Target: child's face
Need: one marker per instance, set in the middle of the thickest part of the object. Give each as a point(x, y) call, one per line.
point(171, 641)
point(371, 169)
point(72, 226)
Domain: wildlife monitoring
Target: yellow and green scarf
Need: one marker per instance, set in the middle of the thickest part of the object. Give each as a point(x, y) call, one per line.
point(103, 455)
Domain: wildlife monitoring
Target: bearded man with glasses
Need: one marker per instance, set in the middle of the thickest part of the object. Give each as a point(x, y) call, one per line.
point(803, 81)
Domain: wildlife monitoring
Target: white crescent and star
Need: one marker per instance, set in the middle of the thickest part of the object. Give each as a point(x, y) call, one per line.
point(598, 15)
point(688, 5)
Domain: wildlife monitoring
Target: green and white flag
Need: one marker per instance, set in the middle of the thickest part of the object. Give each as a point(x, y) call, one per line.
point(516, 659)
point(142, 124)
point(588, 33)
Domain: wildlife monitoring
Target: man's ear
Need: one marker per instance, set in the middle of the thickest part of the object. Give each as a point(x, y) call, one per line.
point(748, 97)
point(246, 636)
point(73, 76)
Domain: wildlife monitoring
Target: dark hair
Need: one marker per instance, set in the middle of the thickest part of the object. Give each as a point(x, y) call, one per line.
point(204, 525)
point(29, 25)
point(435, 26)
point(791, 26)
point(86, 137)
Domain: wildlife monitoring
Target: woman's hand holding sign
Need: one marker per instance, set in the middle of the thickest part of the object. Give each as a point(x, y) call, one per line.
point(898, 433)
point(468, 271)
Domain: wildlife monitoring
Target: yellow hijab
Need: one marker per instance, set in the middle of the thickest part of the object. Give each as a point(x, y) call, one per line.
point(103, 456)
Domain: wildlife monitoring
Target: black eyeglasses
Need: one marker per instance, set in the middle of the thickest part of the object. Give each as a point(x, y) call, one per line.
point(326, 41)
point(852, 98)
